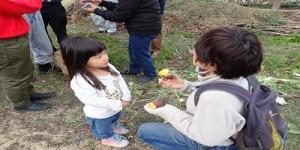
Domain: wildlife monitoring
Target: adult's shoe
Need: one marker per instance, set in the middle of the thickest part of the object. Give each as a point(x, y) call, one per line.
point(144, 79)
point(33, 106)
point(42, 96)
point(45, 68)
point(127, 72)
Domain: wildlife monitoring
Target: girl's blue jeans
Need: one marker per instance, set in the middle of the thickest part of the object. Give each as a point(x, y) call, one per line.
point(165, 137)
point(102, 128)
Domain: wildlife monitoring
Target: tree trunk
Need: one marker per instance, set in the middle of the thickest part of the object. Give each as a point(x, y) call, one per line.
point(276, 4)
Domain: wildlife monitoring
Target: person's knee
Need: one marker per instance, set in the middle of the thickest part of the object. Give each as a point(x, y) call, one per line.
point(143, 130)
point(140, 132)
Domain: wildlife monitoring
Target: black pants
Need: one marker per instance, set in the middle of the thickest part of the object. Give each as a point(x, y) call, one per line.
point(54, 14)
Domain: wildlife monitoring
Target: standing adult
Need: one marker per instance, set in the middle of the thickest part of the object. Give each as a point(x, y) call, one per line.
point(157, 41)
point(16, 69)
point(40, 44)
point(55, 15)
point(143, 21)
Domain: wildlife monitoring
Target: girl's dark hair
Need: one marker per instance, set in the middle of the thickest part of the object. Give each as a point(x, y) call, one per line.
point(76, 52)
point(234, 51)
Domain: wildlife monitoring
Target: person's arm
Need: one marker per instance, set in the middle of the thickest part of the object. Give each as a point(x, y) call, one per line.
point(19, 7)
point(211, 124)
point(188, 86)
point(88, 95)
point(123, 11)
point(109, 5)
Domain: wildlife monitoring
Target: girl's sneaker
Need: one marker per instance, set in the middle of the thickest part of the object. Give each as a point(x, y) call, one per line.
point(102, 29)
point(115, 141)
point(119, 129)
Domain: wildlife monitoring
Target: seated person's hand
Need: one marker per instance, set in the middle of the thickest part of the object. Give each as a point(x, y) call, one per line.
point(173, 82)
point(156, 104)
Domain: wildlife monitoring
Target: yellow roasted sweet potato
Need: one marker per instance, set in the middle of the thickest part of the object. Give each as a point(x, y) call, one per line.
point(164, 73)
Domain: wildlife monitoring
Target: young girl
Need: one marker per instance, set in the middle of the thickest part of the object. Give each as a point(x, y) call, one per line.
point(99, 86)
point(221, 55)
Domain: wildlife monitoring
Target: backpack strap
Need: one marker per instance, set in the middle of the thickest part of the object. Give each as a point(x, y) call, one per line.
point(252, 81)
point(223, 86)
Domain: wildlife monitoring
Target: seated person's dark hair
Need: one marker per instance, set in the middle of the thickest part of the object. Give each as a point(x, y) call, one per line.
point(234, 51)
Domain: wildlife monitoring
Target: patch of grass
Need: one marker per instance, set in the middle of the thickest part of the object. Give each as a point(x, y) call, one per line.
point(73, 119)
point(272, 19)
point(40, 122)
point(292, 41)
point(91, 144)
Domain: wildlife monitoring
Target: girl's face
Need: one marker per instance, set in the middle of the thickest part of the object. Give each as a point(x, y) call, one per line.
point(205, 69)
point(100, 60)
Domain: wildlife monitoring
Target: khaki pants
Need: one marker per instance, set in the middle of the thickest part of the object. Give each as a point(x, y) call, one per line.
point(156, 43)
point(16, 70)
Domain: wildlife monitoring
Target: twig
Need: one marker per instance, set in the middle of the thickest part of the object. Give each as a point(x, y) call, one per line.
point(130, 120)
point(293, 15)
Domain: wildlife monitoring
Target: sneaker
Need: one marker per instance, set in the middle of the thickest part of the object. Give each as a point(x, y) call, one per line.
point(126, 72)
point(119, 129)
point(111, 32)
point(102, 29)
point(115, 141)
point(44, 68)
point(41, 96)
point(144, 79)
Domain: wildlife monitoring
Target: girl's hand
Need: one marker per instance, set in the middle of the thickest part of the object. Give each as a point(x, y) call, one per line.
point(173, 82)
point(124, 104)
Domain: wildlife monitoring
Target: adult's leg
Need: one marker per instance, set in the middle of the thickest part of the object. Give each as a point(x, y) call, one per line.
point(99, 22)
point(111, 26)
point(40, 44)
point(45, 13)
point(140, 51)
point(156, 44)
point(58, 21)
point(134, 67)
point(157, 41)
point(165, 136)
point(16, 69)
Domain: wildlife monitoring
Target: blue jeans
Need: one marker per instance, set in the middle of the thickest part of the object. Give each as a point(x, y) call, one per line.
point(140, 58)
point(166, 137)
point(102, 128)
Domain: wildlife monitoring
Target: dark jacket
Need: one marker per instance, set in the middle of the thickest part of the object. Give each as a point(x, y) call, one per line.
point(141, 17)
